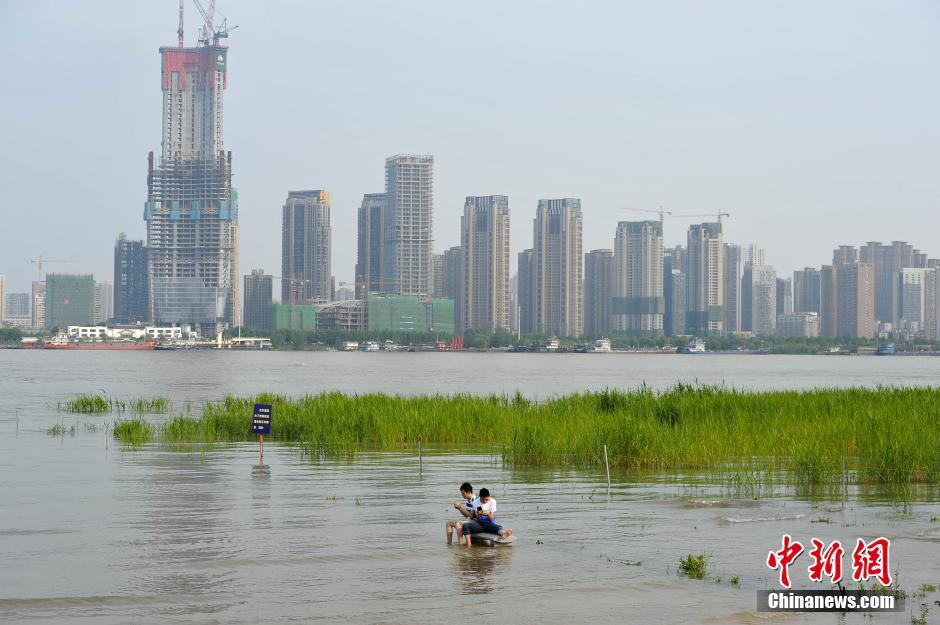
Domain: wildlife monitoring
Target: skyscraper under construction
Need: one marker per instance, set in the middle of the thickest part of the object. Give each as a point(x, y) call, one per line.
point(192, 209)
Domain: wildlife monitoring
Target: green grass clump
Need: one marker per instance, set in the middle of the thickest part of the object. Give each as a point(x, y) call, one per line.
point(885, 435)
point(134, 432)
point(694, 566)
point(98, 404)
point(88, 404)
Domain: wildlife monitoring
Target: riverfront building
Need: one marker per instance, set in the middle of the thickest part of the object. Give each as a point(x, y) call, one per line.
point(759, 300)
point(70, 300)
point(806, 290)
point(131, 281)
point(705, 280)
point(259, 293)
point(408, 222)
point(557, 268)
point(598, 282)
point(305, 248)
point(369, 257)
point(485, 242)
point(192, 209)
point(734, 264)
point(638, 304)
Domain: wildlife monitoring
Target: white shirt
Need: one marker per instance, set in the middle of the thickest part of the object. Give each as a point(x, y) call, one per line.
point(489, 508)
point(472, 505)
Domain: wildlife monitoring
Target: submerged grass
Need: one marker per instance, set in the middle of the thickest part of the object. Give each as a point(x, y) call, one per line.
point(134, 432)
point(885, 435)
point(99, 404)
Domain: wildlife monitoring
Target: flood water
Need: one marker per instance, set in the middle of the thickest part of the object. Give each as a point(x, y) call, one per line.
point(92, 532)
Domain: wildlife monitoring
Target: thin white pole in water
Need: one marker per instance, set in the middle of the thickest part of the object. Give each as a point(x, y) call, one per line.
point(844, 486)
point(607, 465)
point(420, 461)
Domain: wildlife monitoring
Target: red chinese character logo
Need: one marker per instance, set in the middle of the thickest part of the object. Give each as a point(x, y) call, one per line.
point(828, 561)
point(784, 558)
point(871, 560)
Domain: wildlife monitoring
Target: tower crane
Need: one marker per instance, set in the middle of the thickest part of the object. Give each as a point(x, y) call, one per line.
point(209, 31)
point(719, 215)
point(662, 212)
point(42, 260)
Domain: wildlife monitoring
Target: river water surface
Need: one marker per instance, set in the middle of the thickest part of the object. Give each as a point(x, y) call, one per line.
point(92, 532)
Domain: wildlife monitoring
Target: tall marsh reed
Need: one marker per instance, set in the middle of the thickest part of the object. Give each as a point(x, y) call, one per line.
point(885, 435)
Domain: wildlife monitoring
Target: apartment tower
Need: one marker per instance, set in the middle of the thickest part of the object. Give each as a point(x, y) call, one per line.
point(705, 280)
point(557, 260)
point(638, 304)
point(484, 238)
point(408, 224)
point(305, 248)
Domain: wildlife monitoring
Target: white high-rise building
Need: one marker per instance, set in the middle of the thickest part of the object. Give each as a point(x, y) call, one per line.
point(408, 230)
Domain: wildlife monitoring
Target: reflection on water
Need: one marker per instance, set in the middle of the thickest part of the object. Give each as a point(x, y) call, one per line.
point(478, 569)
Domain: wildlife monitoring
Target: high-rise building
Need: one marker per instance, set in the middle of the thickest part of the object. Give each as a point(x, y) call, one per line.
point(932, 295)
point(38, 307)
point(131, 281)
point(887, 262)
point(514, 303)
point(827, 302)
point(674, 290)
point(259, 295)
point(638, 303)
point(305, 248)
point(192, 209)
point(844, 255)
point(806, 290)
point(369, 259)
point(3, 299)
point(452, 282)
point(598, 282)
point(557, 260)
point(759, 300)
point(485, 242)
point(734, 264)
point(437, 276)
point(70, 300)
point(753, 255)
point(17, 310)
point(855, 300)
point(408, 224)
point(705, 280)
point(104, 302)
point(916, 305)
point(526, 292)
point(784, 296)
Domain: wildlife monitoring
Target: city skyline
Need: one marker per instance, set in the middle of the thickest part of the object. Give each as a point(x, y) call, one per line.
point(848, 196)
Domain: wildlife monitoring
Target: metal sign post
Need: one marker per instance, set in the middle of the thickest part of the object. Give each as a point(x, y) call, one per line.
point(261, 425)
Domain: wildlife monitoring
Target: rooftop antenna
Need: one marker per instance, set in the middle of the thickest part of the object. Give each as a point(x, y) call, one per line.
point(179, 31)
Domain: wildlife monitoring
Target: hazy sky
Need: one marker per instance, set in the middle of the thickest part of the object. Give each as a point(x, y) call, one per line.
point(812, 123)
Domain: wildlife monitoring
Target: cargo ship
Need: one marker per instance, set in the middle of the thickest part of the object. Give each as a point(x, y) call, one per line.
point(60, 342)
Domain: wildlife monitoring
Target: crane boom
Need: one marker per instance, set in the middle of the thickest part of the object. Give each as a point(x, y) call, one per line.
point(179, 31)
